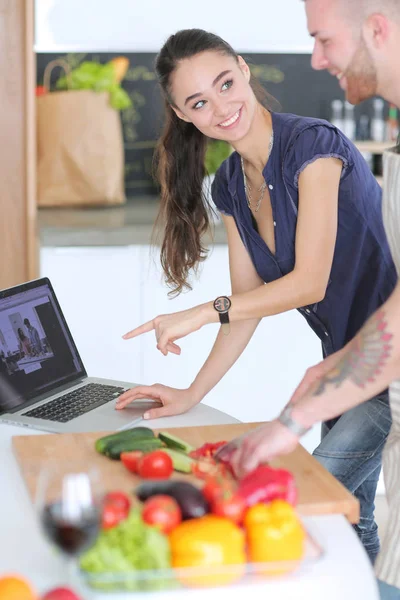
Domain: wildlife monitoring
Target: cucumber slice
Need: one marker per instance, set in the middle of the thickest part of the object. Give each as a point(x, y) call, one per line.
point(181, 462)
point(174, 442)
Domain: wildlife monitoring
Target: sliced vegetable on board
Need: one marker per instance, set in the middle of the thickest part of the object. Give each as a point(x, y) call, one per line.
point(172, 441)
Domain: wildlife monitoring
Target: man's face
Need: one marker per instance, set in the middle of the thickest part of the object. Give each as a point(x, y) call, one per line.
point(340, 48)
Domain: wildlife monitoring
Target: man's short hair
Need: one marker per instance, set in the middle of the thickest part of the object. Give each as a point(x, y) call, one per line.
point(26, 322)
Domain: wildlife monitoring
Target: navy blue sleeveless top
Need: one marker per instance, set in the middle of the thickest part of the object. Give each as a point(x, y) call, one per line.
point(363, 274)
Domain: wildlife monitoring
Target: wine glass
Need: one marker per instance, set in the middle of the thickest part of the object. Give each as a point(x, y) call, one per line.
point(69, 504)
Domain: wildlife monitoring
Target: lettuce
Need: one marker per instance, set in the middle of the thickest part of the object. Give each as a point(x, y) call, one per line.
point(92, 75)
point(122, 552)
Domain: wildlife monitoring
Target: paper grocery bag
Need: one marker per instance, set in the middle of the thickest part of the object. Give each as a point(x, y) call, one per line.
point(80, 150)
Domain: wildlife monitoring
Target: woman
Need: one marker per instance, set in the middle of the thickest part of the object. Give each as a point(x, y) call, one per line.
point(302, 213)
point(24, 345)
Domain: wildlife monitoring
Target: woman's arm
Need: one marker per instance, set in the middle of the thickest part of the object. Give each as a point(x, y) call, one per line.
point(365, 367)
point(306, 284)
point(226, 349)
point(315, 243)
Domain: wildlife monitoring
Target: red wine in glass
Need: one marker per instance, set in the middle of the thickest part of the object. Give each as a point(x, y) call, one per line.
point(71, 536)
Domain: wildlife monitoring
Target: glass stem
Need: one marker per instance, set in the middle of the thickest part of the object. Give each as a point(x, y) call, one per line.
point(72, 573)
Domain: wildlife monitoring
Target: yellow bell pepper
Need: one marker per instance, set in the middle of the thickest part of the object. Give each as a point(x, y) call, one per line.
point(274, 534)
point(208, 543)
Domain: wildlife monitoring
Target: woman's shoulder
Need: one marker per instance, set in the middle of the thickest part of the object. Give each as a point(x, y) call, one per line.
point(291, 126)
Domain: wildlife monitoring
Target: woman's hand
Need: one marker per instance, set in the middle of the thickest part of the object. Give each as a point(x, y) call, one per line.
point(262, 445)
point(174, 401)
point(174, 326)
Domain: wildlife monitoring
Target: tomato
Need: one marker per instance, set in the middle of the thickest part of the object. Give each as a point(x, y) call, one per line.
point(229, 505)
point(119, 499)
point(215, 488)
point(207, 468)
point(155, 465)
point(41, 90)
point(163, 512)
point(116, 507)
point(131, 460)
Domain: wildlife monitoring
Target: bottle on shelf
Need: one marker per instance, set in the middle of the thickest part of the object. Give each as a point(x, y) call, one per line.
point(337, 114)
point(392, 124)
point(363, 129)
point(364, 135)
point(349, 124)
point(378, 125)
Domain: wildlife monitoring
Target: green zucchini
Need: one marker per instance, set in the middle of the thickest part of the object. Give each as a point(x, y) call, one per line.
point(181, 462)
point(174, 442)
point(145, 445)
point(138, 433)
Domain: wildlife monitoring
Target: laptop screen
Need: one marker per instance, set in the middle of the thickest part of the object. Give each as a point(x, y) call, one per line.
point(37, 352)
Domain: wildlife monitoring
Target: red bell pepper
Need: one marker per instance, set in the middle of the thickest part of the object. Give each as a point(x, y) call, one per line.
point(206, 450)
point(265, 484)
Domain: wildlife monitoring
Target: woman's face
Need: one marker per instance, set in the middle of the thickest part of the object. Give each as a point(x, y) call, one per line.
point(212, 91)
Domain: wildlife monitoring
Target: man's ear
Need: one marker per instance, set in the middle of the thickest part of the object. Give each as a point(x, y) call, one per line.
point(377, 30)
point(244, 67)
point(180, 114)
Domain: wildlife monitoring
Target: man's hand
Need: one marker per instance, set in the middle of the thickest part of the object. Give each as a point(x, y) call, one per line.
point(261, 446)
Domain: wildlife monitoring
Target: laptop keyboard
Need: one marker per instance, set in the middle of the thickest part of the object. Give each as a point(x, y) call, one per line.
point(76, 403)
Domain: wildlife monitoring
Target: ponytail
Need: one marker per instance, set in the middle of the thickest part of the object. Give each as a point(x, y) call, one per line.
point(184, 212)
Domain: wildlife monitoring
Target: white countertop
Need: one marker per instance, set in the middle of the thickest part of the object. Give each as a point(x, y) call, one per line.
point(343, 572)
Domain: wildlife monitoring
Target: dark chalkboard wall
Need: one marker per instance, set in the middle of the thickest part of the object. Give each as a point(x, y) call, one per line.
point(288, 77)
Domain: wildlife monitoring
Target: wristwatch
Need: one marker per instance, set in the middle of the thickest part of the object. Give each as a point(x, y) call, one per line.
point(222, 305)
point(287, 420)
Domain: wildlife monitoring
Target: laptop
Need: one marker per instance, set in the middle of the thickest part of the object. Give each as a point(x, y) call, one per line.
point(43, 382)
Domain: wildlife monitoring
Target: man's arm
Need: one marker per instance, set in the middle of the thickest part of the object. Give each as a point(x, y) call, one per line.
point(365, 367)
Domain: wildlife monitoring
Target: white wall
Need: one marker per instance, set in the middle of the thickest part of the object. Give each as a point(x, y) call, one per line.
point(143, 25)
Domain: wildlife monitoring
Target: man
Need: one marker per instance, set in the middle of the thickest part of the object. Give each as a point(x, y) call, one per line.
point(358, 41)
point(34, 338)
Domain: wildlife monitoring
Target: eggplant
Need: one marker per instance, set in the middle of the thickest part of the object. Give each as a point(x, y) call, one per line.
point(190, 499)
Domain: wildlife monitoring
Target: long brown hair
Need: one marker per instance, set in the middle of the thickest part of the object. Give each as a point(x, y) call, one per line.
point(179, 164)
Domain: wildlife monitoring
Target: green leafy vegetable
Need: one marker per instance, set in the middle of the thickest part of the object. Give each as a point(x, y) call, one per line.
point(119, 552)
point(92, 75)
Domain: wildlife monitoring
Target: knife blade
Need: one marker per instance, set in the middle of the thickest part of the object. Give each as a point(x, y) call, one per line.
point(225, 453)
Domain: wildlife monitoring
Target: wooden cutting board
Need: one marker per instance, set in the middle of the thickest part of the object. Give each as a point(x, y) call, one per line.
point(319, 492)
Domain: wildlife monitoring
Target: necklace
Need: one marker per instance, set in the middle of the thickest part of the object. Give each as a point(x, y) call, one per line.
point(261, 189)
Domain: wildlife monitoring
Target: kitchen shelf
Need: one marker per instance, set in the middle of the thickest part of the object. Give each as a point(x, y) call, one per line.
point(374, 147)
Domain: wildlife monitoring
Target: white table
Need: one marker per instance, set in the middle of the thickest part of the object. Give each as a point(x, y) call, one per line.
point(344, 571)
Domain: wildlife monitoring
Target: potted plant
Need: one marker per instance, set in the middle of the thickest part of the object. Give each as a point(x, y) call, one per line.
point(217, 152)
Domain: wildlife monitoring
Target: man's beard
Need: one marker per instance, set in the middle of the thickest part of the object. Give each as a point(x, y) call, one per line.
point(361, 76)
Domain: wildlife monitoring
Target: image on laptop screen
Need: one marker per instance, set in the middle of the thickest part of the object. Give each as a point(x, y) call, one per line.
point(37, 352)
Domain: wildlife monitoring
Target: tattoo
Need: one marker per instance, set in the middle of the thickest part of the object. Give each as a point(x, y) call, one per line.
point(367, 355)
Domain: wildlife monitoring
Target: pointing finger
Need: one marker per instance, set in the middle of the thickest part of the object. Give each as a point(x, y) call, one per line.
point(149, 326)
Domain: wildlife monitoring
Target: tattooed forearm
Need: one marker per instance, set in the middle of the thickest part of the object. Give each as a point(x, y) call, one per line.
point(367, 354)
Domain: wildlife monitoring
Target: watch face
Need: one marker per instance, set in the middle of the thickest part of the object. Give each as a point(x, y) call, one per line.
point(222, 304)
